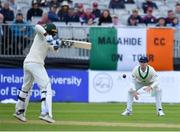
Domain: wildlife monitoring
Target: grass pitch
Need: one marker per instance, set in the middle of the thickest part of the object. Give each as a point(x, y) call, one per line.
point(93, 117)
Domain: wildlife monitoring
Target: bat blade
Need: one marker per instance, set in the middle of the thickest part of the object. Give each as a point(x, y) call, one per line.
point(78, 44)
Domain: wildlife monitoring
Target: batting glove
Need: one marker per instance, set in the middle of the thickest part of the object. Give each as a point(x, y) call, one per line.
point(56, 44)
point(49, 38)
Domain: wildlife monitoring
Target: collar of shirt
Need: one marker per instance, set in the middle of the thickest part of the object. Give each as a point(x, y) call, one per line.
point(143, 72)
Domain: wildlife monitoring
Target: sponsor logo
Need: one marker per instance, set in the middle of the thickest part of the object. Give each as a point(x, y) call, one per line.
point(103, 83)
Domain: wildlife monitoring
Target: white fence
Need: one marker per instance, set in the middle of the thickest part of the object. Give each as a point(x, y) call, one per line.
point(15, 40)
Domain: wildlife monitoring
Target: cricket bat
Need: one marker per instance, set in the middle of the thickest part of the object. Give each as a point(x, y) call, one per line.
point(75, 44)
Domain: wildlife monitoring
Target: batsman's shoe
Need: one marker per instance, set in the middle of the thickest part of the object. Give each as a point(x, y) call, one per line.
point(126, 113)
point(46, 118)
point(160, 113)
point(20, 117)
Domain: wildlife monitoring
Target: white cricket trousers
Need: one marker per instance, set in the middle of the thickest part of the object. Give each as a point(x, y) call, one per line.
point(157, 93)
point(34, 72)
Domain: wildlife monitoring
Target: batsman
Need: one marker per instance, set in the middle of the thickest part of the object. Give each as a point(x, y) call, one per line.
point(144, 76)
point(34, 71)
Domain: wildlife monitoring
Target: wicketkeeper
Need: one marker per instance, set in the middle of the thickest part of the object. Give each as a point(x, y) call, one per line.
point(144, 76)
point(34, 71)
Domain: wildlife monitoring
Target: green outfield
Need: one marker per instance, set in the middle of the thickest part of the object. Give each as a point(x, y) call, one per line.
point(94, 117)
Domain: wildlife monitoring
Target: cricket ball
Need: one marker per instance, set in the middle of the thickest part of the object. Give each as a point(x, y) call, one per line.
point(124, 75)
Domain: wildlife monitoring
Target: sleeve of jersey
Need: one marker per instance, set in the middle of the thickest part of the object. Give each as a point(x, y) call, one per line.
point(40, 29)
point(154, 79)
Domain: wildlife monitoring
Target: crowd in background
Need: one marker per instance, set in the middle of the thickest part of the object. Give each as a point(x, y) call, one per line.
point(66, 11)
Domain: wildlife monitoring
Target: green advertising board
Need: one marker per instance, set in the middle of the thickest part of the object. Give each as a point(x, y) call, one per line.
point(104, 48)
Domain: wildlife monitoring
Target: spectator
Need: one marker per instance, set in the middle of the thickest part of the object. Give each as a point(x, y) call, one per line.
point(80, 9)
point(44, 19)
point(7, 12)
point(170, 17)
point(69, 1)
point(34, 11)
point(175, 23)
point(0, 5)
point(149, 18)
point(43, 3)
point(52, 15)
point(21, 32)
point(177, 11)
point(13, 5)
point(129, 1)
point(147, 4)
point(72, 16)
point(135, 15)
point(63, 12)
point(117, 4)
point(53, 2)
point(87, 17)
point(5, 41)
point(115, 20)
point(132, 21)
point(161, 22)
point(105, 17)
point(96, 12)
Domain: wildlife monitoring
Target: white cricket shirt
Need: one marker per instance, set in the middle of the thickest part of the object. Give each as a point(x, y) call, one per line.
point(146, 78)
point(39, 48)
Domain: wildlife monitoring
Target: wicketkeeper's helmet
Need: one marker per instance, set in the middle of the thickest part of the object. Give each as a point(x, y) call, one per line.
point(143, 59)
point(51, 29)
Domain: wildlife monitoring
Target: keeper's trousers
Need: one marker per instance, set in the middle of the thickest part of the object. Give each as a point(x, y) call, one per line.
point(156, 92)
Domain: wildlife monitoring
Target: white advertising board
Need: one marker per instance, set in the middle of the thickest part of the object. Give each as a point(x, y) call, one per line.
point(110, 86)
point(131, 45)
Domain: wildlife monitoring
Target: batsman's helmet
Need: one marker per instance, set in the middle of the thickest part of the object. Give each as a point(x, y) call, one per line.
point(143, 59)
point(51, 29)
